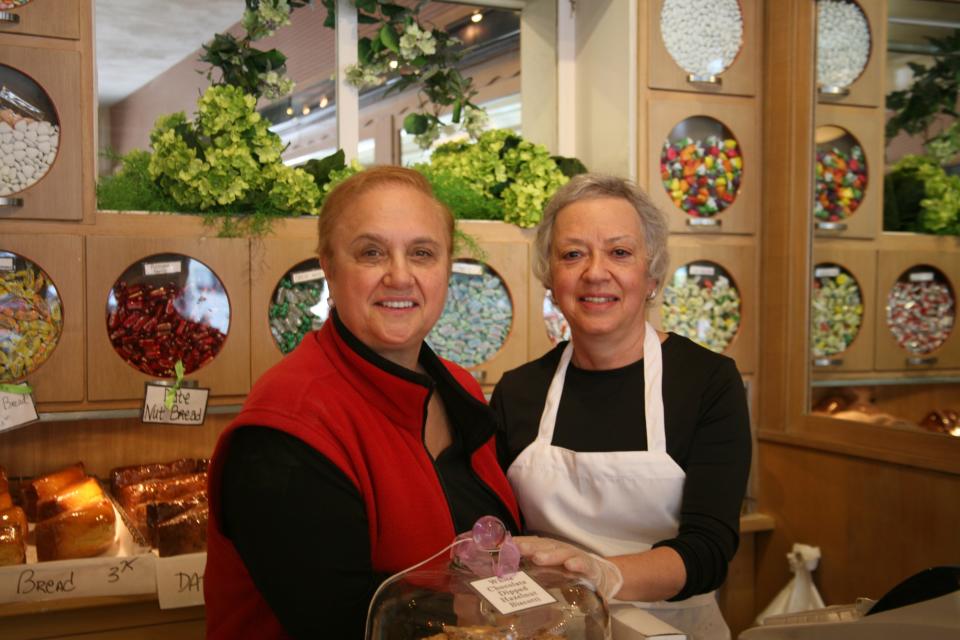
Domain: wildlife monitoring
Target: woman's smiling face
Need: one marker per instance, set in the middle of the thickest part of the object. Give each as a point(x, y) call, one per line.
point(388, 269)
point(598, 268)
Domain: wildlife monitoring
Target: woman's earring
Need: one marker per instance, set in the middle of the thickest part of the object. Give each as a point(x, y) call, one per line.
point(653, 294)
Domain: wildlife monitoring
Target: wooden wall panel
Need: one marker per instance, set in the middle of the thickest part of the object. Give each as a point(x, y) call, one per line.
point(875, 523)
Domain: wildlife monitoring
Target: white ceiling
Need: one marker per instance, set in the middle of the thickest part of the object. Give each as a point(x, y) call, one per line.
point(137, 40)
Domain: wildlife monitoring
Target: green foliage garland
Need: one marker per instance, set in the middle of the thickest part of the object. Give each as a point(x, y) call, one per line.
point(934, 91)
point(920, 196)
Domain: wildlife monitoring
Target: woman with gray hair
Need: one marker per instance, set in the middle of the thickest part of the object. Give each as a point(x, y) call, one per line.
point(628, 449)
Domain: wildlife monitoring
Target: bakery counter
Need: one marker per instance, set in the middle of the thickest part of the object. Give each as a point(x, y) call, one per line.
point(110, 618)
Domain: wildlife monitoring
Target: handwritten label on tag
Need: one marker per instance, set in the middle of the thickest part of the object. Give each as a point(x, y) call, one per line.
point(161, 268)
point(6, 263)
point(63, 579)
point(468, 268)
point(516, 593)
point(702, 270)
point(827, 272)
point(189, 405)
point(16, 410)
point(922, 276)
point(180, 580)
point(307, 276)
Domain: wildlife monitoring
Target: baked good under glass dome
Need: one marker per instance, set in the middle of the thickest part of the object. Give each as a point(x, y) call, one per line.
point(480, 589)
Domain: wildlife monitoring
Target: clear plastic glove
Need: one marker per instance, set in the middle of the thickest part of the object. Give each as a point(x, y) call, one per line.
point(547, 552)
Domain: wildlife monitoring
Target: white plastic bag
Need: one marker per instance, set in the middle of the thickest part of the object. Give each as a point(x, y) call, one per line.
point(800, 594)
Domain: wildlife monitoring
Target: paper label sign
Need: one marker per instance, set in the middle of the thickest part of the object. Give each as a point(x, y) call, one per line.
point(922, 276)
point(180, 580)
point(16, 409)
point(161, 268)
point(827, 272)
point(189, 405)
point(468, 268)
point(6, 264)
point(118, 576)
point(307, 276)
point(516, 593)
point(702, 270)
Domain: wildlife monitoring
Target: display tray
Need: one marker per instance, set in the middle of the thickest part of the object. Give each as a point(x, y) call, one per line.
point(126, 568)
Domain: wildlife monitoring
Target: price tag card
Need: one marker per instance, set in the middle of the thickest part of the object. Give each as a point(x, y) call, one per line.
point(516, 593)
point(922, 276)
point(6, 263)
point(161, 268)
point(16, 406)
point(180, 580)
point(62, 579)
point(702, 270)
point(189, 405)
point(307, 276)
point(467, 268)
point(827, 272)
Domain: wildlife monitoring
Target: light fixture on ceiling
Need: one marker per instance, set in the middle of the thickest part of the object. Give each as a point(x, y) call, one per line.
point(289, 111)
point(394, 64)
point(305, 110)
point(324, 102)
point(477, 16)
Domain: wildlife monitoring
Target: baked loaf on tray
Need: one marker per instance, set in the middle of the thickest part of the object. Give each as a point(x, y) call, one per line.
point(13, 545)
point(82, 533)
point(70, 498)
point(183, 533)
point(134, 498)
point(159, 512)
point(45, 487)
point(14, 516)
point(123, 476)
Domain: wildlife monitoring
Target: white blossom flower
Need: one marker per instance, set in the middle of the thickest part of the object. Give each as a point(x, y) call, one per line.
point(474, 121)
point(415, 41)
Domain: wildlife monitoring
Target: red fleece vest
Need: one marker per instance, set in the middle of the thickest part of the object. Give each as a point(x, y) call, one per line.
point(369, 423)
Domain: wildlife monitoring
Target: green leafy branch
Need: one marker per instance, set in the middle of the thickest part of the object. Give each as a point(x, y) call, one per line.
point(413, 55)
point(934, 91)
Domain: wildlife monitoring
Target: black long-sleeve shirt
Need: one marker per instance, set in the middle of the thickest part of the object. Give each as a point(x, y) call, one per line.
point(707, 434)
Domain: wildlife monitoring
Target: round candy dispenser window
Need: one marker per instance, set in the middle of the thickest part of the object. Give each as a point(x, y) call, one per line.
point(300, 303)
point(168, 308)
point(557, 328)
point(841, 174)
point(837, 309)
point(702, 303)
point(29, 131)
point(701, 166)
point(843, 44)
point(31, 317)
point(921, 309)
point(477, 317)
point(702, 47)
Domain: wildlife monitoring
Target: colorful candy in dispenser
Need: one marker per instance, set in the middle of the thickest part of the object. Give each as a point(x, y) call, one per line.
point(456, 599)
point(29, 132)
point(702, 303)
point(558, 329)
point(836, 310)
point(31, 317)
point(300, 303)
point(841, 178)
point(166, 308)
point(843, 43)
point(701, 167)
point(921, 309)
point(476, 318)
point(701, 47)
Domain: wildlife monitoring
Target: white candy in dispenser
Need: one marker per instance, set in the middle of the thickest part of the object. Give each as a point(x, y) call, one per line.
point(483, 590)
point(28, 142)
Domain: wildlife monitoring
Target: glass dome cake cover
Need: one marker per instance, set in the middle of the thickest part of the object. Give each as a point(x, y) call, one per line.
point(483, 590)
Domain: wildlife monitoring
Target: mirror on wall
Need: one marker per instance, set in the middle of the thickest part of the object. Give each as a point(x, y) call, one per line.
point(147, 66)
point(883, 340)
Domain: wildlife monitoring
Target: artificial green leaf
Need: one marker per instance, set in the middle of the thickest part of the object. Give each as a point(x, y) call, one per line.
point(370, 6)
point(364, 50)
point(389, 38)
point(415, 123)
point(320, 168)
point(364, 18)
point(392, 11)
point(457, 108)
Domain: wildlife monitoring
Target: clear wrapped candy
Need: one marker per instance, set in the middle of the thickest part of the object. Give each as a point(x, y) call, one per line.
point(31, 317)
point(300, 303)
point(558, 329)
point(836, 309)
point(702, 302)
point(482, 590)
point(921, 309)
point(701, 166)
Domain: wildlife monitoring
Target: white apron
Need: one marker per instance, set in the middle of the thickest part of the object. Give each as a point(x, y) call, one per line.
point(612, 502)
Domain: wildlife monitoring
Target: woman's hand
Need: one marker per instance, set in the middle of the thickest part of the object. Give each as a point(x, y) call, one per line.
point(547, 552)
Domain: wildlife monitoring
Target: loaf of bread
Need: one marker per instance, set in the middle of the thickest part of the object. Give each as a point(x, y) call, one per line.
point(6, 500)
point(44, 487)
point(135, 497)
point(159, 512)
point(123, 476)
point(82, 533)
point(70, 498)
point(13, 546)
point(14, 516)
point(184, 533)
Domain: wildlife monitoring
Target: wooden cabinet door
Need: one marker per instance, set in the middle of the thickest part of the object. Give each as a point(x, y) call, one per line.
point(51, 18)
